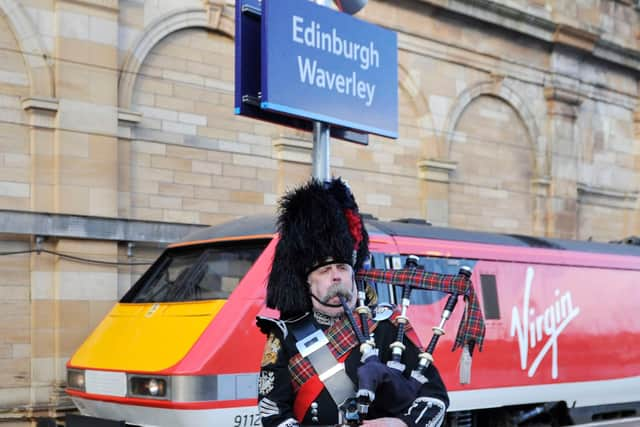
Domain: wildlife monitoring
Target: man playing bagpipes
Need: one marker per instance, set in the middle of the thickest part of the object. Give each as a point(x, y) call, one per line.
point(323, 365)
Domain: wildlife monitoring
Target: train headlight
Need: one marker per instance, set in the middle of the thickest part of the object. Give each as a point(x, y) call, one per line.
point(155, 387)
point(148, 387)
point(75, 379)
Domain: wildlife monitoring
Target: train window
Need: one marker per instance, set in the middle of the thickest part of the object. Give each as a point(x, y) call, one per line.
point(195, 274)
point(378, 260)
point(383, 293)
point(489, 297)
point(433, 264)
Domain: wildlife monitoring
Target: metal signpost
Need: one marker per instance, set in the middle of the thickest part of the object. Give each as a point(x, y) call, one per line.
point(319, 70)
point(321, 155)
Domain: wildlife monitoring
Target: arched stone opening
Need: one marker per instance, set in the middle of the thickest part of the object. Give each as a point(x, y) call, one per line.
point(500, 181)
point(40, 75)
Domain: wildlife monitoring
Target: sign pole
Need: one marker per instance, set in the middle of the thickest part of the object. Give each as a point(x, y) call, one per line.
point(321, 152)
point(320, 156)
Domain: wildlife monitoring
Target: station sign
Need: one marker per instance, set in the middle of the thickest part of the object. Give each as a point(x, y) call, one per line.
point(324, 65)
point(248, 91)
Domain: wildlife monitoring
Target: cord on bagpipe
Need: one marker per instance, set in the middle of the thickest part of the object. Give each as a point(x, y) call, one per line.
point(426, 357)
point(387, 381)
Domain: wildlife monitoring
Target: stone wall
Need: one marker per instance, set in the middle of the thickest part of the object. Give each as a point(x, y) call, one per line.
point(15, 325)
point(516, 116)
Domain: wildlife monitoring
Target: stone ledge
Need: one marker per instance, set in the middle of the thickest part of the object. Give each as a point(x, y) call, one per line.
point(544, 181)
point(601, 196)
point(565, 95)
point(541, 186)
point(128, 117)
point(37, 104)
point(578, 38)
point(562, 101)
point(617, 54)
point(292, 150)
point(435, 170)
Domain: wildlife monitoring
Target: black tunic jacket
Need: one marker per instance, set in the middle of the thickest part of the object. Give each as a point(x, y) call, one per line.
point(276, 396)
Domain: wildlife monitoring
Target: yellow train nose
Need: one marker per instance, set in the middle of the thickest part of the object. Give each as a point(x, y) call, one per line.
point(145, 337)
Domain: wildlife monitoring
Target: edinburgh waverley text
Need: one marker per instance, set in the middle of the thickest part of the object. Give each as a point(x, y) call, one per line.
point(312, 72)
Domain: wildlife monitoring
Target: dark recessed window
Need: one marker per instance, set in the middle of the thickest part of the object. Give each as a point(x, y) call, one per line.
point(490, 296)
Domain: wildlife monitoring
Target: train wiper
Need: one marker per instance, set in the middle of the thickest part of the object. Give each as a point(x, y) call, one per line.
point(151, 297)
point(185, 287)
point(147, 293)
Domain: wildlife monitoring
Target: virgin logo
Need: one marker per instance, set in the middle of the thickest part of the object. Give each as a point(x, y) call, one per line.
point(539, 333)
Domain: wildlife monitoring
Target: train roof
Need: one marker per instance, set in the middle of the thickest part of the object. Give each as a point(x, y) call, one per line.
point(264, 225)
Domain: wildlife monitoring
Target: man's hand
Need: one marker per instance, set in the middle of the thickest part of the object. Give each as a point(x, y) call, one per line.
point(384, 422)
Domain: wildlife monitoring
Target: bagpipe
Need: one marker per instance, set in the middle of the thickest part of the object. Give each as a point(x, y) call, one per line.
point(386, 381)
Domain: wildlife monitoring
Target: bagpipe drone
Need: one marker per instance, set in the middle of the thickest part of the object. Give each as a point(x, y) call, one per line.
point(387, 382)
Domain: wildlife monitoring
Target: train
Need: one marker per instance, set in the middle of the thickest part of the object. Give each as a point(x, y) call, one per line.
point(562, 342)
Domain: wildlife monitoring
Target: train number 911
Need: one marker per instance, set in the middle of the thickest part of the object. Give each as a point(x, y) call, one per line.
point(246, 420)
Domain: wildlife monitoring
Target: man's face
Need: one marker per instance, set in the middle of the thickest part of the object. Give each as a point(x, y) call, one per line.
point(329, 281)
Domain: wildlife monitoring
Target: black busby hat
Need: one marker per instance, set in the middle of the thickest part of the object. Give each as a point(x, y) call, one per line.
point(318, 223)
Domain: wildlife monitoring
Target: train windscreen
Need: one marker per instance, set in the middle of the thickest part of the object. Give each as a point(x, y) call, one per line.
point(195, 273)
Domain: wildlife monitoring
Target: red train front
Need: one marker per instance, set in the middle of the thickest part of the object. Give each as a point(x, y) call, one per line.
point(181, 348)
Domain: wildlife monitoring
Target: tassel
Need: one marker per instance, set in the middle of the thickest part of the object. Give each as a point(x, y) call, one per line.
point(465, 365)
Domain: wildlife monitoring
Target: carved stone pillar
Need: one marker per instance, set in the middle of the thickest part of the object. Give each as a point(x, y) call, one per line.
point(541, 189)
point(42, 113)
point(45, 377)
point(127, 121)
point(562, 208)
point(571, 43)
point(435, 176)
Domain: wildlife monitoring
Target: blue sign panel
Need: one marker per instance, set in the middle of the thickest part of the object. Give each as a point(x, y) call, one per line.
point(247, 76)
point(328, 66)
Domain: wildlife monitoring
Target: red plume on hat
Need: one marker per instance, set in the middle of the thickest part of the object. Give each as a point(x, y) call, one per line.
point(342, 193)
point(316, 222)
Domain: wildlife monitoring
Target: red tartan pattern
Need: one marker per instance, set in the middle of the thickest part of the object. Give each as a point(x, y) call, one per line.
point(471, 329)
point(300, 370)
point(341, 338)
